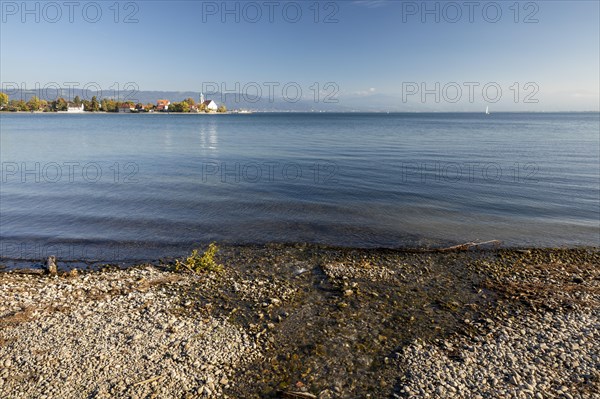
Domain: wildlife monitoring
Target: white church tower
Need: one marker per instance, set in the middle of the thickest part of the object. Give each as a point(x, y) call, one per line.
point(201, 98)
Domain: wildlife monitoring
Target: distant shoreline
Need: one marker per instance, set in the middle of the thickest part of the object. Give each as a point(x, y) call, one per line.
point(118, 113)
point(296, 112)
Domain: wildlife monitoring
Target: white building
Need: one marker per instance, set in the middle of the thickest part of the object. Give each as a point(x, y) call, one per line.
point(210, 105)
point(74, 108)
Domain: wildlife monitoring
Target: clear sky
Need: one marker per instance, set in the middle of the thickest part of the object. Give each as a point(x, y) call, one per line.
point(367, 48)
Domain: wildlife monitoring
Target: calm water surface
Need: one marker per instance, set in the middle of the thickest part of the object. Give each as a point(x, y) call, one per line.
point(119, 187)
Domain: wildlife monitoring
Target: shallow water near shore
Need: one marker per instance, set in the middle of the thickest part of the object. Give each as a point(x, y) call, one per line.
point(125, 188)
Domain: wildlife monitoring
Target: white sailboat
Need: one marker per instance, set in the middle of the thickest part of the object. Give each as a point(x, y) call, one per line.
point(487, 110)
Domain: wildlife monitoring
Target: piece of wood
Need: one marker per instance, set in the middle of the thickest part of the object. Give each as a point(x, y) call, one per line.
point(28, 271)
point(468, 245)
point(51, 265)
point(149, 380)
point(454, 248)
point(299, 395)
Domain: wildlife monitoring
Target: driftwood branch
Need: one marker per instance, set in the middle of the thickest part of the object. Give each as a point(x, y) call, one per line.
point(298, 395)
point(148, 381)
point(37, 272)
point(454, 248)
point(468, 245)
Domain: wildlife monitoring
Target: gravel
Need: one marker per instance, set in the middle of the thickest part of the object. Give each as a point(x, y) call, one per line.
point(307, 321)
point(546, 355)
point(112, 334)
point(542, 340)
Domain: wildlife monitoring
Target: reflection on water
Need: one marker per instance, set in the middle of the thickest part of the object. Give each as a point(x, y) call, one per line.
point(209, 139)
point(168, 143)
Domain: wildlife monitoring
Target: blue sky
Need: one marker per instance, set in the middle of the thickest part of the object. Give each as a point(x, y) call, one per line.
point(369, 48)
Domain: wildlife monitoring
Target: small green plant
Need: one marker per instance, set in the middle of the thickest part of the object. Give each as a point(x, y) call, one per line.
point(201, 263)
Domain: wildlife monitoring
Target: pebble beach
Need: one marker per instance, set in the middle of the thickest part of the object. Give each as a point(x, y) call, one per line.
point(301, 321)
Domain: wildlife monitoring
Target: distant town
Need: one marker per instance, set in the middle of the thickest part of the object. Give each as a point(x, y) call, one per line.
point(77, 105)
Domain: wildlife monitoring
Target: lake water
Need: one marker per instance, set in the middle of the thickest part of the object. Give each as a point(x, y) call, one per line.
point(123, 187)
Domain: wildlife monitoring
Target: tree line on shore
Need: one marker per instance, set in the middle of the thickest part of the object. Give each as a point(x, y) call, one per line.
point(94, 105)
